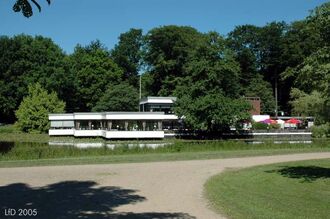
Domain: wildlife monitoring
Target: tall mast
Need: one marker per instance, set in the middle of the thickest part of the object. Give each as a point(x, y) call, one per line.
point(140, 88)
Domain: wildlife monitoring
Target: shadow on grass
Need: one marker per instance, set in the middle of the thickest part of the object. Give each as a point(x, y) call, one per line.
point(74, 199)
point(306, 173)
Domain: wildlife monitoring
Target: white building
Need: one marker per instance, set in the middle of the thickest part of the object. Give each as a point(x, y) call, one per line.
point(110, 125)
point(157, 121)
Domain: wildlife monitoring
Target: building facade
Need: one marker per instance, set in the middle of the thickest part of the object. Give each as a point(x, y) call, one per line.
point(156, 120)
point(110, 125)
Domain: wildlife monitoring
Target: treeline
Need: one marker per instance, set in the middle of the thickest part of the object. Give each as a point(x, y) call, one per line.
point(209, 73)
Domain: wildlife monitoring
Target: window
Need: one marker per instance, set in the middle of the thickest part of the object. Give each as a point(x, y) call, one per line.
point(62, 124)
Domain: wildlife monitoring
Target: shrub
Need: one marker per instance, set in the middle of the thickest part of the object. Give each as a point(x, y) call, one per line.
point(321, 131)
point(259, 126)
point(7, 129)
point(274, 126)
point(32, 114)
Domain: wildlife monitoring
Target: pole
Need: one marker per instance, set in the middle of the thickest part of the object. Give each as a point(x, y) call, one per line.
point(276, 104)
point(140, 88)
point(140, 93)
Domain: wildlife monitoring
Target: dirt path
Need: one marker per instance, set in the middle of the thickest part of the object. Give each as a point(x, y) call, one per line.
point(143, 190)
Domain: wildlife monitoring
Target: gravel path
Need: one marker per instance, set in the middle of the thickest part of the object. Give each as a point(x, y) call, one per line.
point(141, 190)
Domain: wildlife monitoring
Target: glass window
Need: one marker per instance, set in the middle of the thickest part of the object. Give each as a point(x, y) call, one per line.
point(68, 123)
point(83, 125)
point(56, 124)
point(118, 125)
point(61, 124)
point(151, 125)
point(96, 124)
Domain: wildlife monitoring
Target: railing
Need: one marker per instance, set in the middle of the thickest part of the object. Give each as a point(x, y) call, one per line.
point(282, 131)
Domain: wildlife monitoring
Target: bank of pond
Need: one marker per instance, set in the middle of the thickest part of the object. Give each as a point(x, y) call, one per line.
point(11, 150)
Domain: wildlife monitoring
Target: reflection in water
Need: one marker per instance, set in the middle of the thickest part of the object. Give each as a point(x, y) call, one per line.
point(277, 142)
point(108, 145)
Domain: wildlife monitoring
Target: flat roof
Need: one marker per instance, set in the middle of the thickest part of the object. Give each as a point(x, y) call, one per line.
point(112, 116)
point(151, 99)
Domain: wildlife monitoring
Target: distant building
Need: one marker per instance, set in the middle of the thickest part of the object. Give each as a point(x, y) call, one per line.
point(157, 104)
point(255, 102)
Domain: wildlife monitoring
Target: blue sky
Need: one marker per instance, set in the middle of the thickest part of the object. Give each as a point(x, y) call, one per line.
point(69, 22)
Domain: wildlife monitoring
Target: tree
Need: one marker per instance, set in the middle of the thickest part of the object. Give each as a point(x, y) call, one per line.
point(32, 114)
point(259, 50)
point(312, 79)
point(208, 91)
point(127, 54)
point(121, 97)
point(320, 22)
point(94, 73)
point(304, 104)
point(212, 112)
point(260, 88)
point(212, 67)
point(146, 84)
point(312, 73)
point(299, 41)
point(26, 8)
point(167, 50)
point(27, 60)
point(244, 41)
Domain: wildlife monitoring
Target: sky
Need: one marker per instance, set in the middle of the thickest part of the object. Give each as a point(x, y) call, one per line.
point(69, 22)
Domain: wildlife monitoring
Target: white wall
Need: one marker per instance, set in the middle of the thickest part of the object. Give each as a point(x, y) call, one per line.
point(134, 134)
point(58, 132)
point(259, 118)
point(89, 133)
point(107, 134)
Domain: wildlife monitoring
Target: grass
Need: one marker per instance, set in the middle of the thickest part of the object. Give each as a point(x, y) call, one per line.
point(28, 151)
point(9, 133)
point(94, 156)
point(287, 190)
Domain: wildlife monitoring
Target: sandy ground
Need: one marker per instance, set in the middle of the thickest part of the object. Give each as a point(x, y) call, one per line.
point(142, 190)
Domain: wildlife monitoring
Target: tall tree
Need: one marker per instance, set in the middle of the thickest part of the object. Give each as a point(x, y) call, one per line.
point(121, 97)
point(304, 104)
point(244, 41)
point(94, 73)
point(263, 89)
point(313, 72)
point(259, 50)
point(26, 60)
point(167, 50)
point(208, 94)
point(212, 112)
point(212, 67)
point(319, 21)
point(312, 77)
point(127, 54)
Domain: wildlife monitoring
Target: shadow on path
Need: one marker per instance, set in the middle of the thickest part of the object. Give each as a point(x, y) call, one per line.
point(74, 199)
point(306, 173)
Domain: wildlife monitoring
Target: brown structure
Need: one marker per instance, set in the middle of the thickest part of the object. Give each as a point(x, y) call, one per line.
point(255, 102)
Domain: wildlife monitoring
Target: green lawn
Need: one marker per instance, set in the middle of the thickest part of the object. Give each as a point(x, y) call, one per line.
point(152, 157)
point(287, 190)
